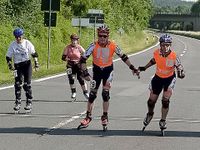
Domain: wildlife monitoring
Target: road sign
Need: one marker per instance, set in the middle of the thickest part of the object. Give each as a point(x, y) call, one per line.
point(55, 5)
point(96, 18)
point(82, 22)
point(95, 11)
point(53, 19)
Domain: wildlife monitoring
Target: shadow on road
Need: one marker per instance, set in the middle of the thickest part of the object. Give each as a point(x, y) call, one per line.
point(99, 133)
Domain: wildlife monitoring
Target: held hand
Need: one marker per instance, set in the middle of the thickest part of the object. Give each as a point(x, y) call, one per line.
point(85, 75)
point(141, 68)
point(137, 72)
point(134, 70)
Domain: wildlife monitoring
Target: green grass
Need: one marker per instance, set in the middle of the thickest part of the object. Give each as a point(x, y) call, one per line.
point(128, 43)
point(192, 34)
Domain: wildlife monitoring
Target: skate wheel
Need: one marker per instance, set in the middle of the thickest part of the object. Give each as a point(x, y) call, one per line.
point(162, 133)
point(81, 127)
point(16, 111)
point(143, 129)
point(105, 128)
point(73, 99)
point(28, 112)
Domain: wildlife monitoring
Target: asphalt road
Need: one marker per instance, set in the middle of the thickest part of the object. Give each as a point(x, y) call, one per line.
point(54, 119)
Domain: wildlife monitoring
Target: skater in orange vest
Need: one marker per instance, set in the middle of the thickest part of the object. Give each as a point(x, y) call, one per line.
point(102, 52)
point(164, 79)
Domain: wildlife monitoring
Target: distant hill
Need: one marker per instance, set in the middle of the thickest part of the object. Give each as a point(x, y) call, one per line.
point(171, 3)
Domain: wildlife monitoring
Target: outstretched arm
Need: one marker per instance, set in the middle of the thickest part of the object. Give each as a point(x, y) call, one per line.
point(149, 64)
point(126, 60)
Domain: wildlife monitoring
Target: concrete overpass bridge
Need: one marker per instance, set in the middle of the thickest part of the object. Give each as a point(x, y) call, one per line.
point(186, 21)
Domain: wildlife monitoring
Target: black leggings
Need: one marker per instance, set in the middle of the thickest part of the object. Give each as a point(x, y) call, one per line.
point(76, 71)
point(24, 71)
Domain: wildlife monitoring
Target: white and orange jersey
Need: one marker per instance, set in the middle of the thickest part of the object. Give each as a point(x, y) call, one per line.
point(165, 66)
point(102, 56)
point(73, 53)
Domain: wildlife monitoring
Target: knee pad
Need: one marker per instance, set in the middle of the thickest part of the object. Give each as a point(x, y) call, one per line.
point(165, 102)
point(71, 79)
point(105, 95)
point(17, 86)
point(151, 103)
point(27, 89)
point(18, 90)
point(92, 96)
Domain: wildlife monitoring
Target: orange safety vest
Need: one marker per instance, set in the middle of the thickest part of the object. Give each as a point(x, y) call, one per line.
point(165, 65)
point(103, 56)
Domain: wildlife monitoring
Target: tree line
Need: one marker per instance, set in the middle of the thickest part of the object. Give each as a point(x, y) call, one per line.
point(131, 16)
point(176, 7)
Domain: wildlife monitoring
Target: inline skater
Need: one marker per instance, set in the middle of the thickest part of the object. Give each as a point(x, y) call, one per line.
point(166, 61)
point(102, 52)
point(20, 51)
point(71, 55)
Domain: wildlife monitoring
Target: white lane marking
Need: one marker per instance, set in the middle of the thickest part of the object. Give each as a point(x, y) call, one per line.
point(62, 74)
point(185, 47)
point(63, 123)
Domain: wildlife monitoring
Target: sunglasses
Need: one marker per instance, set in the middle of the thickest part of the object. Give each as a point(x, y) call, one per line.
point(104, 36)
point(166, 44)
point(74, 38)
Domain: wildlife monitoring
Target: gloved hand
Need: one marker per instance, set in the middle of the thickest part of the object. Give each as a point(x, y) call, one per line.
point(10, 66)
point(181, 74)
point(141, 68)
point(36, 66)
point(85, 75)
point(135, 71)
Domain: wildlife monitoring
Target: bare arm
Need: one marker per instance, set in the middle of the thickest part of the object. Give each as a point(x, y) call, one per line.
point(149, 64)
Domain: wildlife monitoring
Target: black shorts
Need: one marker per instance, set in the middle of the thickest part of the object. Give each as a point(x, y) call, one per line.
point(102, 74)
point(158, 84)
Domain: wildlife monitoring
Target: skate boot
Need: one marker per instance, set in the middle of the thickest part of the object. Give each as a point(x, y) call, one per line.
point(17, 106)
point(73, 96)
point(163, 126)
point(28, 106)
point(147, 120)
point(85, 122)
point(86, 94)
point(104, 122)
